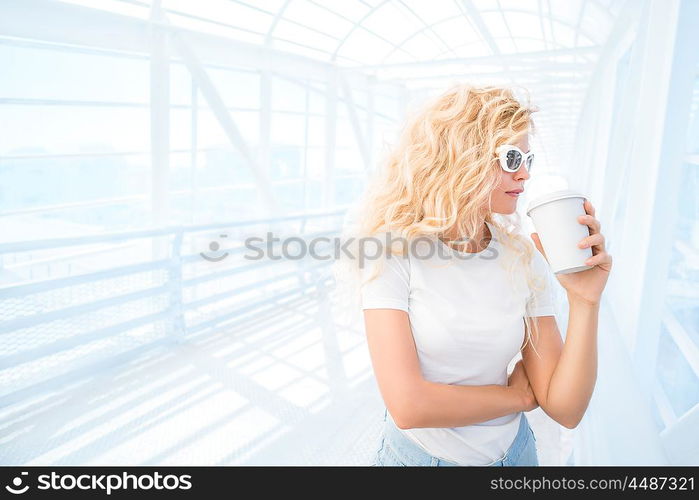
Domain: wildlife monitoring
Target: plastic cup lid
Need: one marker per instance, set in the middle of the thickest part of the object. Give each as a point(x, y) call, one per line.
point(553, 196)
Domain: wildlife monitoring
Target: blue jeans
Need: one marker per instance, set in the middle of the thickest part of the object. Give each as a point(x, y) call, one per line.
point(396, 449)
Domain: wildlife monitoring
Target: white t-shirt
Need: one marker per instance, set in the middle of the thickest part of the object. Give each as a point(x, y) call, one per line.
point(467, 321)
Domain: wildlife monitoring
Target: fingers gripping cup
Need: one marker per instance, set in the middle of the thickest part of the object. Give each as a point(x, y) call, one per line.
point(555, 217)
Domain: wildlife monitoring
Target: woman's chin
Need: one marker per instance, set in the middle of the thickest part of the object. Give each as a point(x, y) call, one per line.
point(506, 210)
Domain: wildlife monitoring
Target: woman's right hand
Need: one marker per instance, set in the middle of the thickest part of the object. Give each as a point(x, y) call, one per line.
point(519, 383)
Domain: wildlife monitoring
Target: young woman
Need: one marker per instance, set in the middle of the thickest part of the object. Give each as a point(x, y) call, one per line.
point(446, 313)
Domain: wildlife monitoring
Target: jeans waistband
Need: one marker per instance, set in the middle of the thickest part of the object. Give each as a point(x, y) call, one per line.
point(411, 451)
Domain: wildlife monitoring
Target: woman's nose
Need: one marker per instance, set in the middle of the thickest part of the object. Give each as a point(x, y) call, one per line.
point(522, 173)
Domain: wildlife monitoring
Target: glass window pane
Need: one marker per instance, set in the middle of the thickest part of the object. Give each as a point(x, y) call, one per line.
point(71, 129)
point(239, 89)
point(348, 189)
point(288, 95)
point(288, 129)
point(682, 297)
point(286, 162)
point(49, 73)
point(290, 195)
point(210, 133)
point(677, 379)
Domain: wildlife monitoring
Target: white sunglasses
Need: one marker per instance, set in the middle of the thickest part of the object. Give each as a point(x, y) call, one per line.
point(511, 158)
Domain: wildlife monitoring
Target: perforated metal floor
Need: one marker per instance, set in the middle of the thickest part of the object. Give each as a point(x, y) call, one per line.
point(287, 388)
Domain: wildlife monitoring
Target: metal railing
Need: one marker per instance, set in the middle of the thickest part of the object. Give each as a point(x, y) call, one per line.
point(131, 292)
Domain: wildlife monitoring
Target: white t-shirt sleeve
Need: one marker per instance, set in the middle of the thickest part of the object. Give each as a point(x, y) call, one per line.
point(541, 303)
point(390, 289)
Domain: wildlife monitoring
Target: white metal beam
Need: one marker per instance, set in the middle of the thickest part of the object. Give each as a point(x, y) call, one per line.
point(358, 25)
point(541, 25)
point(354, 120)
point(330, 138)
point(193, 153)
point(159, 127)
point(488, 59)
point(474, 16)
point(539, 69)
point(279, 15)
point(264, 158)
point(426, 26)
point(76, 25)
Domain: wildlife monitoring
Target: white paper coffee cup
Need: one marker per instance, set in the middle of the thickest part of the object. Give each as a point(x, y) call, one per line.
point(555, 217)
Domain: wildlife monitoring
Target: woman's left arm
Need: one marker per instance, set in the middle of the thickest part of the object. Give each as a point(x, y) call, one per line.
point(563, 378)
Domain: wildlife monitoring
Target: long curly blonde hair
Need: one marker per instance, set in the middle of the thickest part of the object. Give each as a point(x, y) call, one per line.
point(440, 176)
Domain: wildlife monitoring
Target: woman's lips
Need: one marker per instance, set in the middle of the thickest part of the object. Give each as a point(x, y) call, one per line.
point(514, 194)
